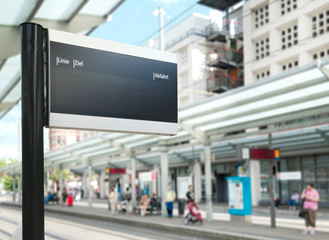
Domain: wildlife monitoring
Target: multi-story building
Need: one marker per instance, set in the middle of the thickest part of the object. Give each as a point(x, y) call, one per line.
point(282, 35)
point(209, 54)
point(187, 40)
point(279, 36)
point(61, 137)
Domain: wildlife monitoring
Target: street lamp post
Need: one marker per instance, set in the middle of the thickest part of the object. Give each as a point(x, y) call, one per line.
point(160, 12)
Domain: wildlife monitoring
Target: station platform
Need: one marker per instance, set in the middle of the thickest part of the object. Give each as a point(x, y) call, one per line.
point(288, 226)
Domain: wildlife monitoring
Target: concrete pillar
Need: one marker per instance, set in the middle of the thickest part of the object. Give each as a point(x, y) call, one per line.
point(133, 186)
point(207, 166)
point(102, 184)
point(20, 188)
point(14, 188)
point(164, 181)
point(61, 185)
point(254, 174)
point(197, 181)
point(84, 183)
point(90, 190)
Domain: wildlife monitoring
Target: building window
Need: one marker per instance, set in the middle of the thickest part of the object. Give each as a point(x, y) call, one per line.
point(263, 74)
point(289, 65)
point(261, 16)
point(262, 48)
point(287, 6)
point(289, 37)
point(320, 23)
point(321, 54)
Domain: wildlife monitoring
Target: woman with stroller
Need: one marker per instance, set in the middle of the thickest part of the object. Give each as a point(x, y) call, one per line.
point(194, 214)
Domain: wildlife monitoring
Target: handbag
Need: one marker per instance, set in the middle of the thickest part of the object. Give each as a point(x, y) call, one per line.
point(301, 212)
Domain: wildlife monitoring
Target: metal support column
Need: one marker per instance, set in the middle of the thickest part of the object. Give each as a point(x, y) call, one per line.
point(102, 184)
point(272, 164)
point(32, 63)
point(60, 194)
point(161, 30)
point(133, 186)
point(164, 181)
point(90, 190)
point(14, 188)
point(19, 188)
point(207, 166)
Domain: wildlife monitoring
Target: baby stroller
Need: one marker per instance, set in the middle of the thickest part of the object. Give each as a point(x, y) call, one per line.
point(123, 207)
point(194, 215)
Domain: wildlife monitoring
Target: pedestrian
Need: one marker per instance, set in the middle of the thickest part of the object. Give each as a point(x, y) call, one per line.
point(189, 195)
point(171, 197)
point(82, 192)
point(64, 195)
point(277, 200)
point(98, 193)
point(127, 197)
point(294, 199)
point(311, 198)
point(112, 197)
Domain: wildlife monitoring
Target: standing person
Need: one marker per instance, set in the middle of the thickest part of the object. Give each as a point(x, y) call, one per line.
point(98, 193)
point(189, 195)
point(294, 199)
point(127, 197)
point(112, 197)
point(171, 197)
point(82, 192)
point(64, 195)
point(311, 198)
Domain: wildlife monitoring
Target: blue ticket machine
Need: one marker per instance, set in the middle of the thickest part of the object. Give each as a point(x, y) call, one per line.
point(239, 196)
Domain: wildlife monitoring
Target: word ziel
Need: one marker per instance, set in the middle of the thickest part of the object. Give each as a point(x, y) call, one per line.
point(77, 63)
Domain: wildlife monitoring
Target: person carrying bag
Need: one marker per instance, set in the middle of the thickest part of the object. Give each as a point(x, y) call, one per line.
point(301, 213)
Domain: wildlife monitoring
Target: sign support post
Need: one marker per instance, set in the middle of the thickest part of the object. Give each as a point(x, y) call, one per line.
point(32, 130)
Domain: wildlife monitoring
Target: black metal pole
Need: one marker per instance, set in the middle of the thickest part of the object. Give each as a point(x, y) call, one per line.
point(32, 130)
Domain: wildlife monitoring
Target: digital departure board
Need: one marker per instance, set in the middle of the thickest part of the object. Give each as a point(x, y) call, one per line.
point(101, 85)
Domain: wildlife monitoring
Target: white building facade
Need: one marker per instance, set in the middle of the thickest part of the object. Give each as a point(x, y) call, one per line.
point(282, 35)
point(187, 39)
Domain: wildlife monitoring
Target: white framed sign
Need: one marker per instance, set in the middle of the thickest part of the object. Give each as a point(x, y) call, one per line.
point(235, 198)
point(182, 186)
point(285, 176)
point(96, 84)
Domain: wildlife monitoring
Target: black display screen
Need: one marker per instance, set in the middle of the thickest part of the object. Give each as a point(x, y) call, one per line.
point(91, 82)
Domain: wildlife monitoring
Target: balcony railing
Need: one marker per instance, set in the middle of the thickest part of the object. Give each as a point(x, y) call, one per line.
point(220, 82)
point(224, 57)
point(231, 28)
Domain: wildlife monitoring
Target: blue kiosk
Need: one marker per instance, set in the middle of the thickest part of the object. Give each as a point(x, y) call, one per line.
point(239, 199)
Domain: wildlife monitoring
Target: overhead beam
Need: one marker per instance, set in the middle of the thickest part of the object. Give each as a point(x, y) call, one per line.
point(197, 134)
point(146, 164)
point(221, 117)
point(180, 156)
point(271, 120)
point(323, 135)
point(77, 10)
point(35, 10)
point(251, 99)
point(10, 36)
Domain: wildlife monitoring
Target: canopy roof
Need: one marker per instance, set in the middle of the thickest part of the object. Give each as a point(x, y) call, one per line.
point(293, 106)
point(77, 16)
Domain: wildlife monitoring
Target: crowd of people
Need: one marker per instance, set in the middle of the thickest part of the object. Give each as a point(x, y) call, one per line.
point(308, 201)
